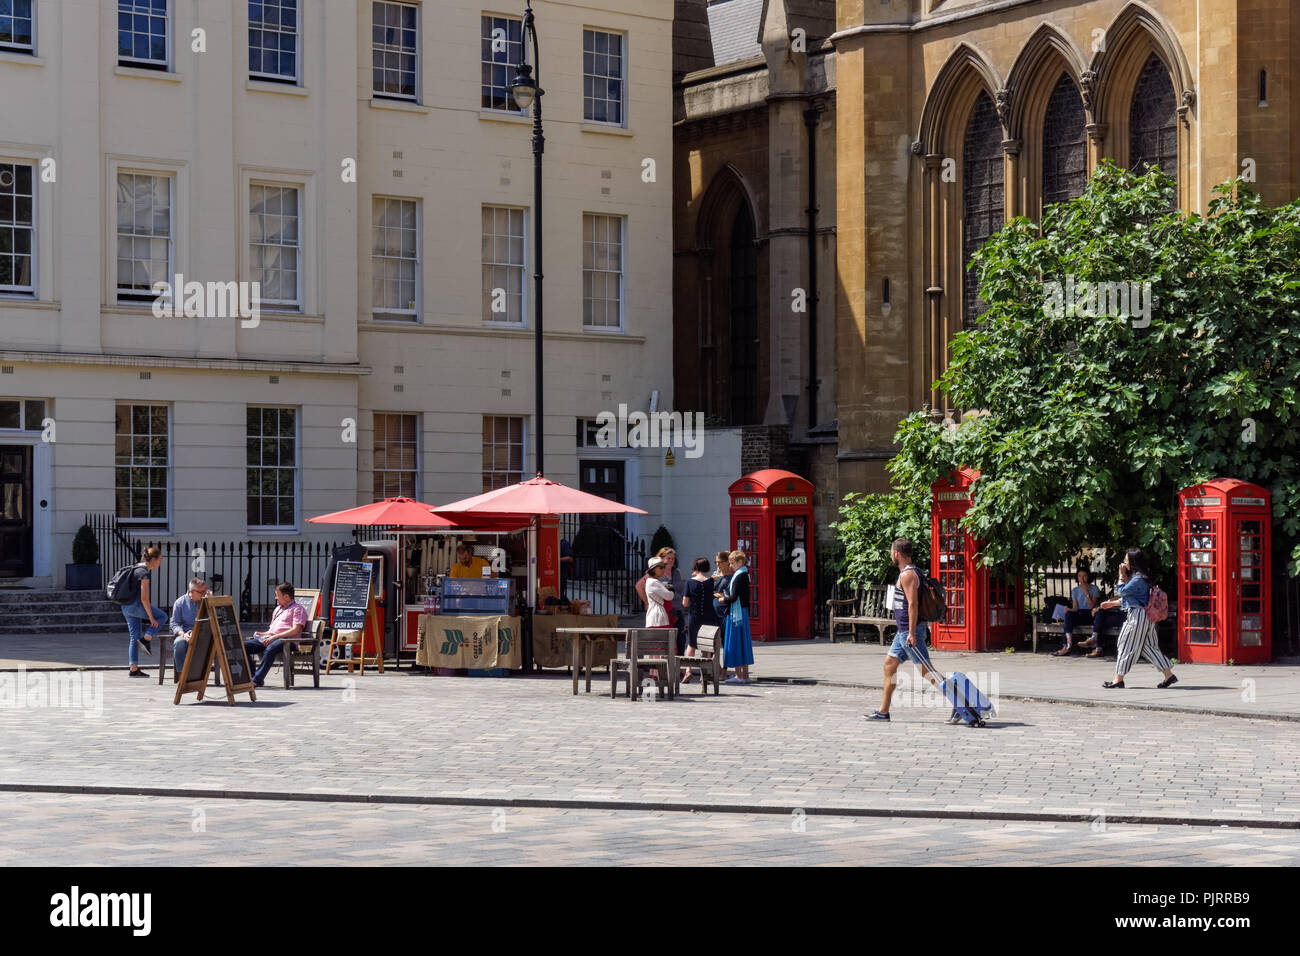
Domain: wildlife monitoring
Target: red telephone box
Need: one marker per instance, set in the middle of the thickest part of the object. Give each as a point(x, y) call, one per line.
point(772, 522)
point(1224, 568)
point(984, 609)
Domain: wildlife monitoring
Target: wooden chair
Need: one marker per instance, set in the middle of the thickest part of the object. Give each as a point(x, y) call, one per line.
point(647, 647)
point(707, 642)
point(304, 650)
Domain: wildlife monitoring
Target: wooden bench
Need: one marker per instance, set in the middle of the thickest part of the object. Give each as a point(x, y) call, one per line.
point(1109, 637)
point(865, 609)
point(1082, 632)
point(708, 663)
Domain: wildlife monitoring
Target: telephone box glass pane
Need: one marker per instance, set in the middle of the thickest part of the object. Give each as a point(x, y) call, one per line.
point(952, 562)
point(1252, 639)
point(1201, 605)
point(791, 535)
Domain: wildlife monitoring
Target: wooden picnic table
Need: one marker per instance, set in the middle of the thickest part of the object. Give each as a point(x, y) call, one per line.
point(586, 637)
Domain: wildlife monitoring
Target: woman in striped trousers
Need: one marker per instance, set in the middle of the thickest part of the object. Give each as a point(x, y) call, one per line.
point(1137, 638)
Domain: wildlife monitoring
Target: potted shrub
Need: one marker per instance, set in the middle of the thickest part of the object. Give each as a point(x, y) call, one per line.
point(661, 539)
point(84, 573)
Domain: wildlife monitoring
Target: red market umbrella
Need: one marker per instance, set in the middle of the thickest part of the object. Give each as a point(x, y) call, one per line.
point(399, 511)
point(536, 496)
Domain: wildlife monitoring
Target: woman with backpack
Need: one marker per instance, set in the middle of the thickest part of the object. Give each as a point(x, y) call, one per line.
point(1137, 638)
point(142, 609)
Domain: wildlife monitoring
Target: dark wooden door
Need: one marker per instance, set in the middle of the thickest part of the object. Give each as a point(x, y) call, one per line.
point(606, 479)
point(15, 511)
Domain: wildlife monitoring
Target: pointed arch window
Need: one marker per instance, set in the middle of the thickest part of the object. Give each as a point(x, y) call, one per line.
point(982, 188)
point(742, 338)
point(1065, 154)
point(1153, 121)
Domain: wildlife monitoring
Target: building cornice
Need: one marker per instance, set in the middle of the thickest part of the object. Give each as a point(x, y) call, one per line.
point(926, 23)
point(172, 361)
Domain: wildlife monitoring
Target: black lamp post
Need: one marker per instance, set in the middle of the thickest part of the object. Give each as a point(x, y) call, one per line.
point(526, 93)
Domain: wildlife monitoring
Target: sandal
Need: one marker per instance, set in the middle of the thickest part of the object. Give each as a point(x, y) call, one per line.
point(1113, 685)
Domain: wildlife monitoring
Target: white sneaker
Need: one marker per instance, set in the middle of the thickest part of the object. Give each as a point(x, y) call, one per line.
point(733, 680)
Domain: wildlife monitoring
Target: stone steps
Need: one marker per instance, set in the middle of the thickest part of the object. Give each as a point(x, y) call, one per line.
point(58, 611)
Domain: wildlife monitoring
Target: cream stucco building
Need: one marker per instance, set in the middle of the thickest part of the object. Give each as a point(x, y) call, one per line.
point(361, 161)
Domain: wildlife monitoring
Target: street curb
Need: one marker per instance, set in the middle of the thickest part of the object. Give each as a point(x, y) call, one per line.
point(1042, 699)
point(644, 805)
point(817, 682)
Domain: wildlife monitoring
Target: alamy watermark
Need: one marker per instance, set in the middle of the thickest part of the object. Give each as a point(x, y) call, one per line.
point(208, 300)
point(913, 690)
point(622, 429)
point(75, 909)
point(1129, 300)
point(67, 690)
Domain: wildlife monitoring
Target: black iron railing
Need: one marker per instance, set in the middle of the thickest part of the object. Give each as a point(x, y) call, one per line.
point(607, 563)
point(247, 570)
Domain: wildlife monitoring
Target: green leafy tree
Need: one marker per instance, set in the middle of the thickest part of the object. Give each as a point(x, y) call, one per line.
point(1091, 424)
point(869, 524)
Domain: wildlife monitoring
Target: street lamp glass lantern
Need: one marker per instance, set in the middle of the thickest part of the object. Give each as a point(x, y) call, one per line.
point(524, 88)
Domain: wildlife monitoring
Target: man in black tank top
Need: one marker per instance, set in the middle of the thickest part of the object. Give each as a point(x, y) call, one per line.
point(909, 640)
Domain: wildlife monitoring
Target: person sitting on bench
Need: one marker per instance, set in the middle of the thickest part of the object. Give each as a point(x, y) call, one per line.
point(184, 611)
point(287, 623)
point(1103, 619)
point(1083, 599)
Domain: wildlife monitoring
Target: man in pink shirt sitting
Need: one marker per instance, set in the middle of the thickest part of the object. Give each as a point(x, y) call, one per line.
point(286, 624)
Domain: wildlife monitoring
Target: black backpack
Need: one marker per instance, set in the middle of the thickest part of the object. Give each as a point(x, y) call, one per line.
point(932, 603)
point(124, 587)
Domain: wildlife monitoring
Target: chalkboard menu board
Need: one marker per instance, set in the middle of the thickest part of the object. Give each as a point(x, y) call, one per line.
point(232, 642)
point(216, 637)
point(351, 594)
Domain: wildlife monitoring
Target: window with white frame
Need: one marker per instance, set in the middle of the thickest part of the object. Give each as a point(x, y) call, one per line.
point(272, 40)
point(22, 414)
point(603, 77)
point(275, 243)
point(395, 258)
point(397, 455)
point(144, 234)
point(602, 271)
point(271, 437)
point(503, 264)
point(17, 224)
point(142, 27)
point(503, 50)
point(503, 451)
point(394, 48)
point(16, 21)
point(142, 460)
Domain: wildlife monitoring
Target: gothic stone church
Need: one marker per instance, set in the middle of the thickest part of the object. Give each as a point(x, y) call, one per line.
point(820, 248)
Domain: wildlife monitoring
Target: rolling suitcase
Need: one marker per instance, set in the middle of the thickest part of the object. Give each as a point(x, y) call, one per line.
point(968, 702)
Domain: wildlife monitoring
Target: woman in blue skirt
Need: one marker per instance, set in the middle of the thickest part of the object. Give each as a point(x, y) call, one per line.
point(738, 651)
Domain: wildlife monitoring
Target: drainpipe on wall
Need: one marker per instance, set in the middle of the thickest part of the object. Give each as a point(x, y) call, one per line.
point(810, 116)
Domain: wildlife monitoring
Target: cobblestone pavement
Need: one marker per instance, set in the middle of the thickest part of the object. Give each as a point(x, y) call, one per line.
point(1256, 691)
point(77, 830)
point(427, 737)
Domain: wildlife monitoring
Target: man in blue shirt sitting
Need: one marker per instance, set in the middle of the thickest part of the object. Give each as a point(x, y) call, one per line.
point(184, 611)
